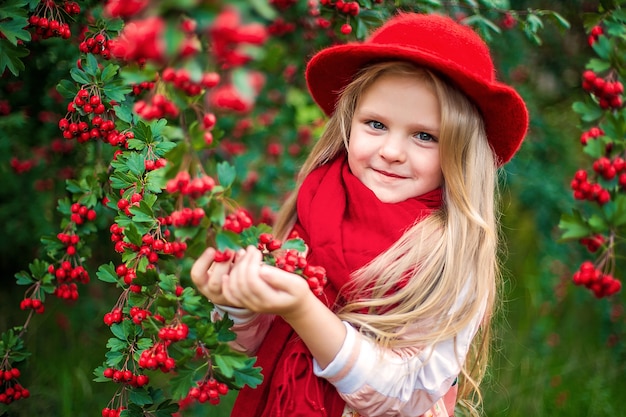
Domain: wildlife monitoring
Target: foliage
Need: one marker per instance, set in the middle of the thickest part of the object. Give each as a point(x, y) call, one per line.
point(141, 134)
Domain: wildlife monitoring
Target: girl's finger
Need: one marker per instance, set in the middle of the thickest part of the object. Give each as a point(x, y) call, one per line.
point(201, 266)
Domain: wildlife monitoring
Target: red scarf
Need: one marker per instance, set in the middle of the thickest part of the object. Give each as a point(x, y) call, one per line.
point(345, 226)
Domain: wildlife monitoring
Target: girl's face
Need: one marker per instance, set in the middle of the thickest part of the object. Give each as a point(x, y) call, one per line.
point(393, 147)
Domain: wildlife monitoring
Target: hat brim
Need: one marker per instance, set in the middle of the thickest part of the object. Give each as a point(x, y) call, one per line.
point(503, 110)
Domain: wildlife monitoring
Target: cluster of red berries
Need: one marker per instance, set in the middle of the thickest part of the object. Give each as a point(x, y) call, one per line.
point(125, 204)
point(83, 131)
point(113, 316)
point(70, 241)
point(112, 412)
point(142, 86)
point(174, 333)
point(187, 216)
point(584, 190)
point(47, 26)
point(98, 44)
point(609, 169)
point(138, 314)
point(157, 357)
point(608, 92)
point(595, 33)
point(208, 390)
point(293, 261)
point(10, 389)
point(602, 285)
point(87, 102)
point(126, 376)
point(158, 107)
point(33, 303)
point(351, 8)
point(81, 213)
point(20, 167)
point(181, 79)
point(152, 164)
point(593, 133)
point(238, 221)
point(280, 27)
point(593, 243)
point(67, 273)
point(193, 188)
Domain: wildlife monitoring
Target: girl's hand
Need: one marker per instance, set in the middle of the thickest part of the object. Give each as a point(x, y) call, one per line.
point(263, 288)
point(208, 275)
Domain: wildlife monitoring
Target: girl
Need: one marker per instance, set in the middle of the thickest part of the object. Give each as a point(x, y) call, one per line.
point(397, 202)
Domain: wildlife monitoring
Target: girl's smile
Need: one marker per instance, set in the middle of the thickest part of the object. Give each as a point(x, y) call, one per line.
point(393, 147)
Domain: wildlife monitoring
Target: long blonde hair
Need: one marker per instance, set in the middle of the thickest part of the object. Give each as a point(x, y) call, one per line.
point(451, 256)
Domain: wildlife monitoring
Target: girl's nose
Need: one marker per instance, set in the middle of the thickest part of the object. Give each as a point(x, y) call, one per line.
point(392, 148)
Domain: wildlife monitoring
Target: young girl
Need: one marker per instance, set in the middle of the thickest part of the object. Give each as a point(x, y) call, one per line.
point(397, 202)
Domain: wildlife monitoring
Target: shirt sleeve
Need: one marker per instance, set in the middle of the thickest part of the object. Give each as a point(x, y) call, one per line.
point(249, 327)
point(407, 381)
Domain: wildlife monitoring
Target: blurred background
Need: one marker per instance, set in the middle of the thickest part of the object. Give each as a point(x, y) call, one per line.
point(558, 350)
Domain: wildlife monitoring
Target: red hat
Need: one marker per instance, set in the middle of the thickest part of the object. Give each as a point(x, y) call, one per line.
point(438, 43)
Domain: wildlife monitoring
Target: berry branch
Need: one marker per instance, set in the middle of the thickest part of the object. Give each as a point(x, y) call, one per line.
point(599, 226)
point(174, 124)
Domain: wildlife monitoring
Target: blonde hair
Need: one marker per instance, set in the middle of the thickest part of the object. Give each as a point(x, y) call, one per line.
point(450, 257)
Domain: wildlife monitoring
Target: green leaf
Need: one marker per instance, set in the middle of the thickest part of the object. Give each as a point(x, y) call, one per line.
point(135, 163)
point(23, 278)
point(598, 65)
point(117, 345)
point(10, 57)
point(133, 234)
point(598, 223)
point(297, 244)
point(13, 29)
point(109, 72)
point(573, 226)
point(602, 47)
point(90, 65)
point(147, 277)
point(587, 112)
point(116, 92)
point(619, 217)
point(248, 375)
point(226, 239)
point(113, 359)
point(226, 174)
point(227, 360)
point(140, 396)
point(106, 273)
point(79, 76)
point(168, 282)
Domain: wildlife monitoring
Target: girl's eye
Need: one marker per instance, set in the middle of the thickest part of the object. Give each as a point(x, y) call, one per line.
point(426, 137)
point(375, 125)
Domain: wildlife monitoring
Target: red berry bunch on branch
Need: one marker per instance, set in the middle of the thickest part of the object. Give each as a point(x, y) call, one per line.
point(50, 19)
point(607, 90)
point(600, 228)
point(602, 285)
point(10, 388)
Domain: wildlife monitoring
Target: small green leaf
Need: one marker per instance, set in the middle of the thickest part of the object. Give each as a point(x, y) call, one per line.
point(619, 217)
point(248, 375)
point(573, 226)
point(79, 76)
point(226, 174)
point(598, 223)
point(106, 273)
point(90, 65)
point(226, 239)
point(140, 396)
point(297, 244)
point(133, 234)
point(23, 278)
